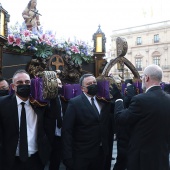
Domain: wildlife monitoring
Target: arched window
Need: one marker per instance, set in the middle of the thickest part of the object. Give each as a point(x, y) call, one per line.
point(156, 58)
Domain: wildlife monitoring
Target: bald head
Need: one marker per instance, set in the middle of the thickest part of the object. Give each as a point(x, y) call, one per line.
point(152, 76)
point(154, 72)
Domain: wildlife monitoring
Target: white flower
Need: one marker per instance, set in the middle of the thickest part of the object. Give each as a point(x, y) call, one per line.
point(27, 39)
point(35, 37)
point(21, 46)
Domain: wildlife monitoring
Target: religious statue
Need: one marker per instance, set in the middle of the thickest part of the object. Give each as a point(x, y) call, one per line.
point(31, 16)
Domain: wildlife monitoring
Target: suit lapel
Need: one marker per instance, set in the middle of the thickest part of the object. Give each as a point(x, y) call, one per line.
point(14, 109)
point(88, 105)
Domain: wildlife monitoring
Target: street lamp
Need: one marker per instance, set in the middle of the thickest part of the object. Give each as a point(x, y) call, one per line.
point(99, 50)
point(4, 19)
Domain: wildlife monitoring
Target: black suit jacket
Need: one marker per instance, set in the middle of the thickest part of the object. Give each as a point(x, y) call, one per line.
point(57, 104)
point(149, 118)
point(9, 124)
point(83, 130)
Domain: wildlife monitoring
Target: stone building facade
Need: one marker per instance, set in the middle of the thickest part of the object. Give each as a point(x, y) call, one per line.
point(147, 44)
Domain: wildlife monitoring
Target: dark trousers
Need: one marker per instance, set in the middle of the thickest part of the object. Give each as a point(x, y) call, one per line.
point(108, 161)
point(33, 163)
point(55, 158)
point(121, 159)
point(0, 156)
point(0, 149)
point(95, 163)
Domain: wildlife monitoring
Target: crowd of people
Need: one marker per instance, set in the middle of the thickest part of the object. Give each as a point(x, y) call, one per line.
point(79, 132)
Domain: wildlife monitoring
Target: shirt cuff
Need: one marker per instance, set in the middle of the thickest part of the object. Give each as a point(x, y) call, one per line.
point(119, 100)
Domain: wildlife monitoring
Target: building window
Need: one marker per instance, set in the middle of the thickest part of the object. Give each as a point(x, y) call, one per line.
point(138, 64)
point(156, 38)
point(156, 60)
point(139, 41)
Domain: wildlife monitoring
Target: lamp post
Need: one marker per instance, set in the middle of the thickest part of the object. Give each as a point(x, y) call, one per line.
point(99, 50)
point(4, 19)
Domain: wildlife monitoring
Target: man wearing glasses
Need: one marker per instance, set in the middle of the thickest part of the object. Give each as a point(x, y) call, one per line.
point(148, 116)
point(26, 129)
point(85, 131)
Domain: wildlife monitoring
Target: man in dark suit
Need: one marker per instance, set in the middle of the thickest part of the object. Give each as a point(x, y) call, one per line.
point(4, 90)
point(4, 87)
point(130, 91)
point(149, 118)
point(26, 130)
point(85, 131)
point(122, 132)
point(55, 157)
point(167, 88)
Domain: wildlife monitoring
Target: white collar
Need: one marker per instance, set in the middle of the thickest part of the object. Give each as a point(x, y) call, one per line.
point(89, 97)
point(19, 101)
point(151, 87)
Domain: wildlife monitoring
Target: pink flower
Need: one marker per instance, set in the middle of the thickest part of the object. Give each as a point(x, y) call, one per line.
point(44, 37)
point(11, 39)
point(47, 42)
point(52, 36)
point(74, 49)
point(18, 41)
point(26, 33)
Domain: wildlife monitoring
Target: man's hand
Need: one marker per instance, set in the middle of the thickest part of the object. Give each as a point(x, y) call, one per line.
point(68, 163)
point(115, 92)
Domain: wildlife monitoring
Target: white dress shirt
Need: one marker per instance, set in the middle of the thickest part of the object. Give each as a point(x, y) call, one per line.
point(95, 102)
point(31, 119)
point(58, 130)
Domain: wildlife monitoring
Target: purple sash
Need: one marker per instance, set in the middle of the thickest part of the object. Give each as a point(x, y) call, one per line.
point(71, 90)
point(103, 89)
point(37, 89)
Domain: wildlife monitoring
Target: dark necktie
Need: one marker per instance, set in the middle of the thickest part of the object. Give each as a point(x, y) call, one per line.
point(59, 118)
point(94, 106)
point(23, 143)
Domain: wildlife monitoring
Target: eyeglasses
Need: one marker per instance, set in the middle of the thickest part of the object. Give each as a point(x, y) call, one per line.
point(88, 84)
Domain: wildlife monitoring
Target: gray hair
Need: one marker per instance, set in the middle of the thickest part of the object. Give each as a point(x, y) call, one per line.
point(154, 72)
point(83, 77)
point(17, 72)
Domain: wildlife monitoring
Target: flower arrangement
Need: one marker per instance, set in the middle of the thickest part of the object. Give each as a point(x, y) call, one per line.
point(78, 50)
point(42, 44)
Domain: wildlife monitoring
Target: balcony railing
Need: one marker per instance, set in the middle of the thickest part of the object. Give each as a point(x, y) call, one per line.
point(156, 40)
point(138, 42)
